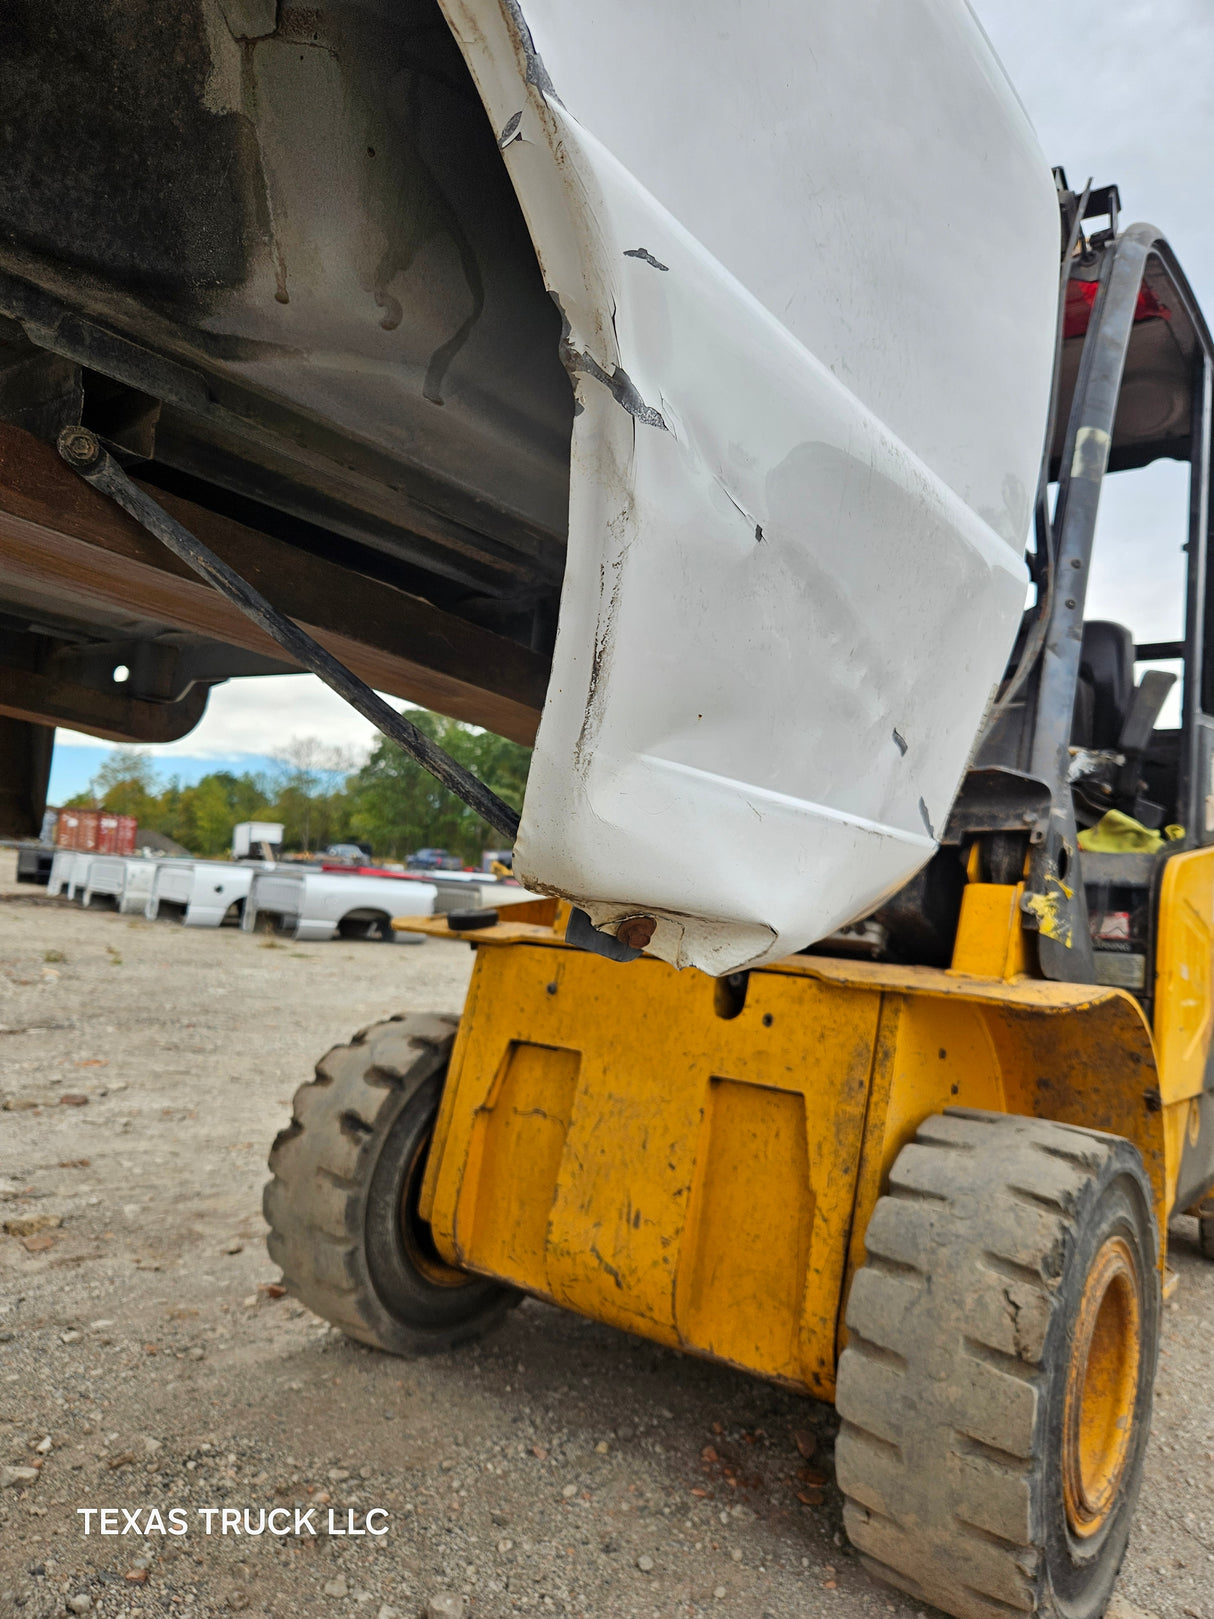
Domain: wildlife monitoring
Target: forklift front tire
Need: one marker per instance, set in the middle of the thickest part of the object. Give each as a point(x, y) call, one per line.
point(996, 1386)
point(343, 1204)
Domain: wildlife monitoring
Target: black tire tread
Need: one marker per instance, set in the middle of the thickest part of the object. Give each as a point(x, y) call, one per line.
point(321, 1165)
point(936, 1457)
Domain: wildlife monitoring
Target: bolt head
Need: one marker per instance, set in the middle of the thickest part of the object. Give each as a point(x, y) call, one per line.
point(79, 447)
point(636, 931)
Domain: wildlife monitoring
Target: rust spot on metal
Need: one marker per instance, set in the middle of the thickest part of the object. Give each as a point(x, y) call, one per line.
point(636, 931)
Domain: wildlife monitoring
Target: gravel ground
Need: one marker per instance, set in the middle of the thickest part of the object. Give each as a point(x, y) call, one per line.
point(562, 1467)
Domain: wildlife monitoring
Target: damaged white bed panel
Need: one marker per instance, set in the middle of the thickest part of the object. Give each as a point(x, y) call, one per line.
point(807, 257)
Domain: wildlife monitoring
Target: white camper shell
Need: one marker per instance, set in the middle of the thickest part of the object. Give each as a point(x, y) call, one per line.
point(255, 837)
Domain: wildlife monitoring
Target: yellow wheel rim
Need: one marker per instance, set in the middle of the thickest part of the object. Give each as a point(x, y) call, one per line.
point(415, 1232)
point(1102, 1387)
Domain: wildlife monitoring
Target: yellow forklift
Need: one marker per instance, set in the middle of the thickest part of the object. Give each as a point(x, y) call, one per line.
point(924, 1169)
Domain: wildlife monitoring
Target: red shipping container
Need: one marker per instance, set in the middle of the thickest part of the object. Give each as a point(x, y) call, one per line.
point(96, 831)
point(115, 834)
point(77, 829)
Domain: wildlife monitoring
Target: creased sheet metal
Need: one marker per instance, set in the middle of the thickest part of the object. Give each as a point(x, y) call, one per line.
point(810, 330)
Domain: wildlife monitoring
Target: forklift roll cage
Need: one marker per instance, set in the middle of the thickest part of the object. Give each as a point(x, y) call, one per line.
point(1019, 778)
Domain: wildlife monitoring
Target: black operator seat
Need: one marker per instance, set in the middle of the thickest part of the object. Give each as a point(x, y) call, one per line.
point(1106, 685)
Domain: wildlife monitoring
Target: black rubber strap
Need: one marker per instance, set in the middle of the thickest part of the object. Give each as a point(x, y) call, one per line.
point(85, 454)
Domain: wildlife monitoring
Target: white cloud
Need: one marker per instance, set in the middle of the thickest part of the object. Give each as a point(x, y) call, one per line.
point(257, 716)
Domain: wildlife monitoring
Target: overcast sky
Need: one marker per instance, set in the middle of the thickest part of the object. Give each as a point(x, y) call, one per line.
point(1120, 92)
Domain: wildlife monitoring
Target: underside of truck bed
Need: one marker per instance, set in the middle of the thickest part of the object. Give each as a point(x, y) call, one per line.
point(271, 255)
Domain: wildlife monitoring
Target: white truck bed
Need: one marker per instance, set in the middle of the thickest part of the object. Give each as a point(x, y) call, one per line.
point(205, 888)
point(69, 871)
point(470, 893)
point(319, 905)
point(807, 258)
point(127, 879)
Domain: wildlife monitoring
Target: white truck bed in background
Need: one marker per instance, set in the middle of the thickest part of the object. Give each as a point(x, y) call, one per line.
point(471, 893)
point(127, 879)
point(69, 871)
point(206, 888)
point(317, 905)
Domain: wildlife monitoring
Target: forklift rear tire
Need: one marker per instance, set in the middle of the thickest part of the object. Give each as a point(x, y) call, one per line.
point(996, 1386)
point(343, 1204)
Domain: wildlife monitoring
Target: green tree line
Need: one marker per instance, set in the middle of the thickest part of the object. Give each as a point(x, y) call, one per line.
point(321, 796)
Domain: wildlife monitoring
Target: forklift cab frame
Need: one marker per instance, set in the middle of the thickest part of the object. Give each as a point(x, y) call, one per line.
point(1132, 384)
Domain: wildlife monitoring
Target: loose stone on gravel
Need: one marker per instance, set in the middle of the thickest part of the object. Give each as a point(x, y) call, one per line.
point(444, 1605)
point(27, 1225)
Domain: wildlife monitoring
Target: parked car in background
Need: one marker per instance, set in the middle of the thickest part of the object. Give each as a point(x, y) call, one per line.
point(359, 853)
point(434, 860)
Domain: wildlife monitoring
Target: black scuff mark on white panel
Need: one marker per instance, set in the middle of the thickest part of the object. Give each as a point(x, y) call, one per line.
point(537, 73)
point(604, 638)
point(624, 390)
point(927, 820)
point(644, 253)
point(900, 741)
point(569, 356)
